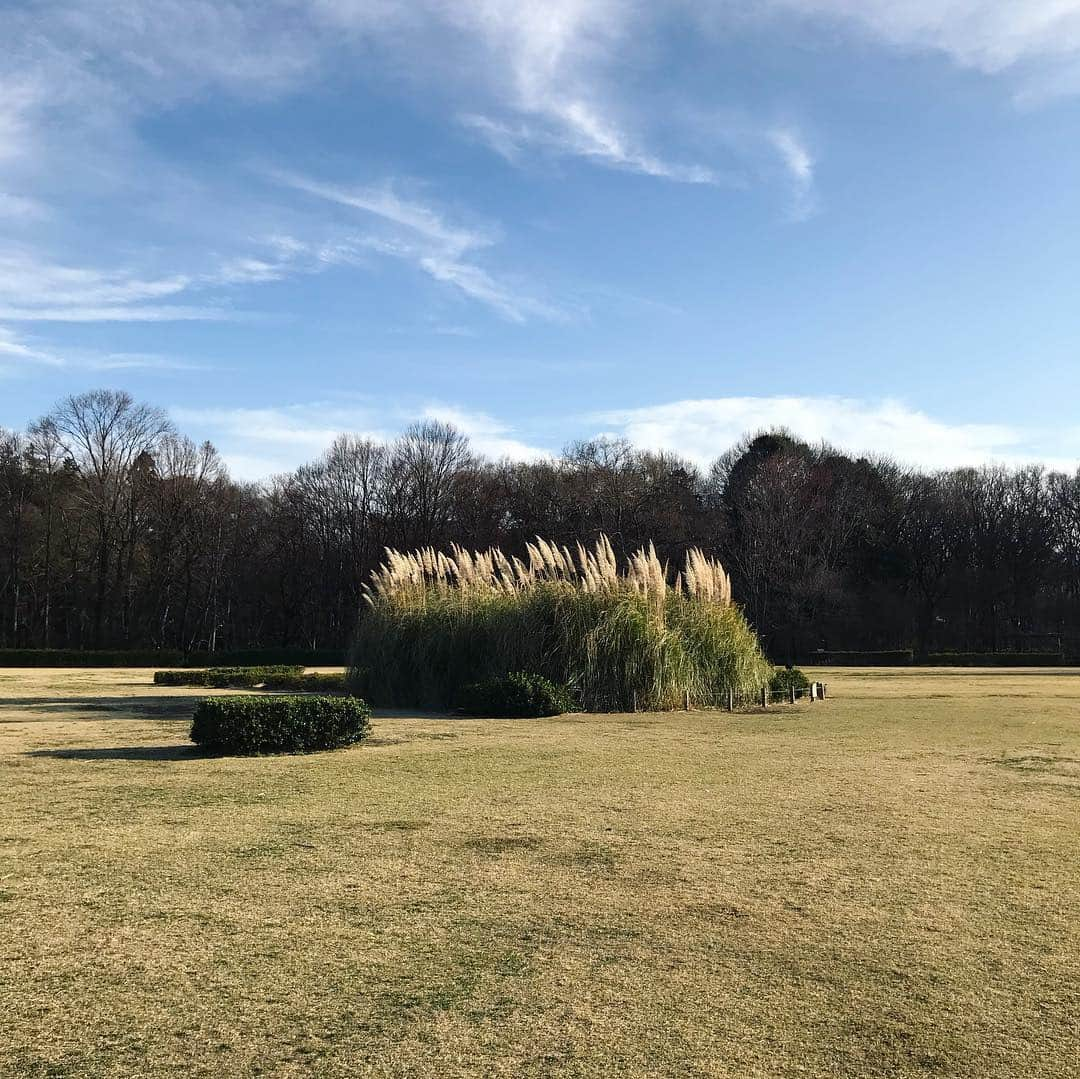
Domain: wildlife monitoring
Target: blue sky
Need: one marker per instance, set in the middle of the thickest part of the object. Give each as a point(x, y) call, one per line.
point(673, 222)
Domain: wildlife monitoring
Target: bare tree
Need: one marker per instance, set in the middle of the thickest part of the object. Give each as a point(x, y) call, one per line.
point(111, 440)
point(424, 466)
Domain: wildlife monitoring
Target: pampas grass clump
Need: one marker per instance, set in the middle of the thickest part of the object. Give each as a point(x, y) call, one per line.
point(621, 638)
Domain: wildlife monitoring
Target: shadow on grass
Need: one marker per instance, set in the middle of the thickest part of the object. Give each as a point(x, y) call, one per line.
point(123, 753)
point(23, 709)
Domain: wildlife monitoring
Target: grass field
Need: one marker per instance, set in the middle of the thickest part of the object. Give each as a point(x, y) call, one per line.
point(883, 884)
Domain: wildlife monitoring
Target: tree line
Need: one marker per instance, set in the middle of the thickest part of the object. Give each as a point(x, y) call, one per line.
point(117, 531)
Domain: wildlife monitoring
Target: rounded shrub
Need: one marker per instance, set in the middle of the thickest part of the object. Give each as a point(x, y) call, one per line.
point(517, 694)
point(252, 725)
point(785, 679)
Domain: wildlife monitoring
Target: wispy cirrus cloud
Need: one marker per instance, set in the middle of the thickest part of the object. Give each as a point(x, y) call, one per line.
point(36, 290)
point(553, 75)
point(20, 356)
point(1038, 41)
point(80, 79)
point(14, 350)
point(421, 234)
point(799, 165)
point(382, 201)
point(588, 136)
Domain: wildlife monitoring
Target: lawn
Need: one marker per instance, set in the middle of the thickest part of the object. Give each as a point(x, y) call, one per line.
point(886, 883)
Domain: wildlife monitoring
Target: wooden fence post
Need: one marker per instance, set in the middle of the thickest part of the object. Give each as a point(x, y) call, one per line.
point(764, 696)
point(791, 692)
point(730, 699)
point(813, 692)
point(686, 700)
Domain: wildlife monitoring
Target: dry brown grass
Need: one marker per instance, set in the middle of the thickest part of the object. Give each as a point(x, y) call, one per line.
point(885, 884)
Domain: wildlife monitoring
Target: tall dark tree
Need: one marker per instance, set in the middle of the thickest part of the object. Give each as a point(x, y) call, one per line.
point(111, 440)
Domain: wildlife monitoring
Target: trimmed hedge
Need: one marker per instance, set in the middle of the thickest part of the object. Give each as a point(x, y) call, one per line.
point(312, 682)
point(518, 694)
point(785, 678)
point(145, 657)
point(254, 725)
point(993, 659)
point(226, 677)
point(74, 657)
point(269, 657)
point(179, 678)
point(901, 657)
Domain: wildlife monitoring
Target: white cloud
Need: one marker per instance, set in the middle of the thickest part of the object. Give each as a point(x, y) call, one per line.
point(36, 290)
point(587, 135)
point(25, 280)
point(77, 80)
point(259, 442)
point(421, 234)
point(992, 36)
point(383, 202)
point(702, 429)
point(548, 72)
point(479, 285)
point(17, 355)
point(116, 313)
point(799, 165)
point(15, 350)
point(489, 436)
point(311, 427)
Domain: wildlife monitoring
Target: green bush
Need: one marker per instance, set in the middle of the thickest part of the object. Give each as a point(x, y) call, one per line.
point(785, 679)
point(312, 682)
point(252, 725)
point(518, 694)
point(180, 678)
point(226, 677)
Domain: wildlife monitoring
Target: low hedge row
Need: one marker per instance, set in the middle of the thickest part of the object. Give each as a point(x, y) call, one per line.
point(993, 659)
point(269, 657)
point(900, 657)
point(517, 694)
point(226, 677)
point(249, 726)
point(75, 657)
point(312, 682)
